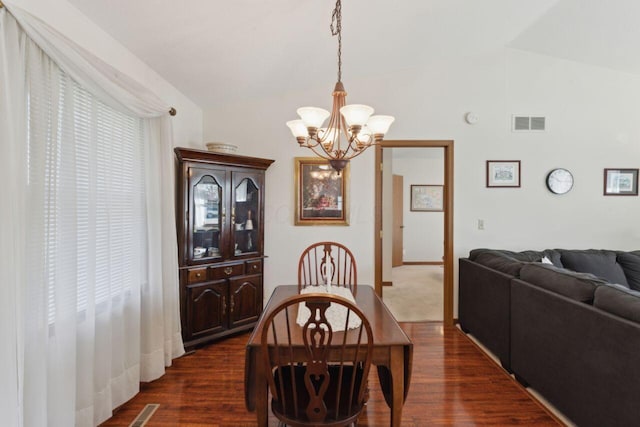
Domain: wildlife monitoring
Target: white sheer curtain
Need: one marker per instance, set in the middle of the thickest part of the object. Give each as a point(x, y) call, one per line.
point(13, 176)
point(98, 310)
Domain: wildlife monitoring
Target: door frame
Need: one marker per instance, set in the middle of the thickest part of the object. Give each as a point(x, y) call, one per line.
point(448, 216)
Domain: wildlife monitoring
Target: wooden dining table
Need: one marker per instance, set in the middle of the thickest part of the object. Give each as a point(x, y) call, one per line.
point(392, 354)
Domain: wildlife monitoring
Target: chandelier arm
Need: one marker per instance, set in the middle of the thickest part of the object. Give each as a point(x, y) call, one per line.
point(308, 143)
point(335, 155)
point(320, 153)
point(336, 134)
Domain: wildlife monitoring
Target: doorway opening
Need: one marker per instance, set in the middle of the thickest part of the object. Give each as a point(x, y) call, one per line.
point(445, 237)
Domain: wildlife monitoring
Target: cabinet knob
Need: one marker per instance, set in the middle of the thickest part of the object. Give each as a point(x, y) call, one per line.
point(254, 266)
point(198, 275)
point(228, 270)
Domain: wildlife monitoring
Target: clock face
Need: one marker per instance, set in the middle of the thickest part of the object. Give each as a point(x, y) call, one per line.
point(559, 181)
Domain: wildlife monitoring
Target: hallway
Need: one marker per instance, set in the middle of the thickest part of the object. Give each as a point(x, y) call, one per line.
point(416, 294)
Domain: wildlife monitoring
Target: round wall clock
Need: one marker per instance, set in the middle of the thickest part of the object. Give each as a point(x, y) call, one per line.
point(559, 181)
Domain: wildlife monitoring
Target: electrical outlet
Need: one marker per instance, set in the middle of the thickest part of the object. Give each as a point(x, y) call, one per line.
point(481, 224)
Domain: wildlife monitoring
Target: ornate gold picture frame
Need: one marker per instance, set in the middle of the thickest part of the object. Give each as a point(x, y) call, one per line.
point(321, 194)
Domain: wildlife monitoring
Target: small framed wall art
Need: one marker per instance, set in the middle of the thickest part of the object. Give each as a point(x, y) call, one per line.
point(503, 173)
point(321, 193)
point(621, 182)
point(427, 198)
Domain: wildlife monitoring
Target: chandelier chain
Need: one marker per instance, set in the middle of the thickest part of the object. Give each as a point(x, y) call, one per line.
point(336, 18)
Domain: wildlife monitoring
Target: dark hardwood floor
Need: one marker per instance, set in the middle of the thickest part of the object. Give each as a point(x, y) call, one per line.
point(453, 383)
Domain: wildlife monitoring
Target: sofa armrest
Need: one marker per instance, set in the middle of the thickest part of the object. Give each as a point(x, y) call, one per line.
point(484, 307)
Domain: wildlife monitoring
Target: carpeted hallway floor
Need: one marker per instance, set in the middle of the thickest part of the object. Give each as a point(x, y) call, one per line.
point(416, 294)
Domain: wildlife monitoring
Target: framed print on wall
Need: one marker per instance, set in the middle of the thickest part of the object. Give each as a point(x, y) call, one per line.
point(621, 182)
point(321, 193)
point(503, 173)
point(427, 198)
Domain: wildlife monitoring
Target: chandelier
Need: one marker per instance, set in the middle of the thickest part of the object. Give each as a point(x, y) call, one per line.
point(351, 129)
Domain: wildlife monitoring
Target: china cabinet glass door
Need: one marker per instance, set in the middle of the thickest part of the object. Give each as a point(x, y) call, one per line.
point(207, 217)
point(245, 211)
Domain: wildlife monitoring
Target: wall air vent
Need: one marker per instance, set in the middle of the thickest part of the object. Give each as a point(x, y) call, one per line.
point(521, 123)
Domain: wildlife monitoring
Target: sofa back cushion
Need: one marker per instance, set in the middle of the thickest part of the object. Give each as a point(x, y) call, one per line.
point(601, 263)
point(509, 262)
point(618, 300)
point(574, 285)
point(630, 262)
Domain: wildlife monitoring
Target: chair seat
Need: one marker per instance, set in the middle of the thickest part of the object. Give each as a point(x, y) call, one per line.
point(345, 415)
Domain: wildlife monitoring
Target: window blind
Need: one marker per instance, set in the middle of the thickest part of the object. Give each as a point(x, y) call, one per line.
point(86, 173)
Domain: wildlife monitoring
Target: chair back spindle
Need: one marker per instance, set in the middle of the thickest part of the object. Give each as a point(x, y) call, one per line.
point(327, 257)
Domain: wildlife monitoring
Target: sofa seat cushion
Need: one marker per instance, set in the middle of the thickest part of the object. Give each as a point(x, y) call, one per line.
point(601, 263)
point(510, 262)
point(575, 285)
point(618, 300)
point(630, 262)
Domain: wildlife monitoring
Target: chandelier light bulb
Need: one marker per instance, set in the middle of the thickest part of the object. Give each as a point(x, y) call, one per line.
point(365, 137)
point(356, 114)
point(313, 117)
point(297, 127)
point(379, 125)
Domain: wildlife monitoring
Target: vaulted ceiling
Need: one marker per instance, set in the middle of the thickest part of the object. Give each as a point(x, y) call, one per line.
point(218, 52)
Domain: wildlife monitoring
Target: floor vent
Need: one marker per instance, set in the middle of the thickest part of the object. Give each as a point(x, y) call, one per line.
point(144, 415)
point(522, 123)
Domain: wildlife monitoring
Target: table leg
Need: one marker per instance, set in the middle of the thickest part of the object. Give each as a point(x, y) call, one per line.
point(262, 395)
point(397, 384)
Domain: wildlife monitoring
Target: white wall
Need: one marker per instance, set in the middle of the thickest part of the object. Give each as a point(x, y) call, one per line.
point(187, 124)
point(423, 237)
point(593, 124)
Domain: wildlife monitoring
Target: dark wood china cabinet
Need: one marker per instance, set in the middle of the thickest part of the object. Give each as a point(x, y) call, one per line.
point(220, 218)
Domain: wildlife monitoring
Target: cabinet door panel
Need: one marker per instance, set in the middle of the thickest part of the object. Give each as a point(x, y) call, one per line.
point(206, 308)
point(206, 214)
point(246, 200)
point(246, 299)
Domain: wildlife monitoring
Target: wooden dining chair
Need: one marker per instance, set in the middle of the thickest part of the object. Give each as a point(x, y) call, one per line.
point(317, 376)
point(312, 266)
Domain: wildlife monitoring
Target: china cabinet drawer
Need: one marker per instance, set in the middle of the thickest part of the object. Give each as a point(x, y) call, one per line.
point(197, 275)
point(254, 267)
point(226, 271)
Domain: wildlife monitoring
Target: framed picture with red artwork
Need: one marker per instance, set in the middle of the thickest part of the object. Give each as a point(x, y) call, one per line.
point(321, 193)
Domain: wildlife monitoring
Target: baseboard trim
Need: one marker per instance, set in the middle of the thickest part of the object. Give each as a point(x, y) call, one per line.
point(423, 263)
point(387, 283)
